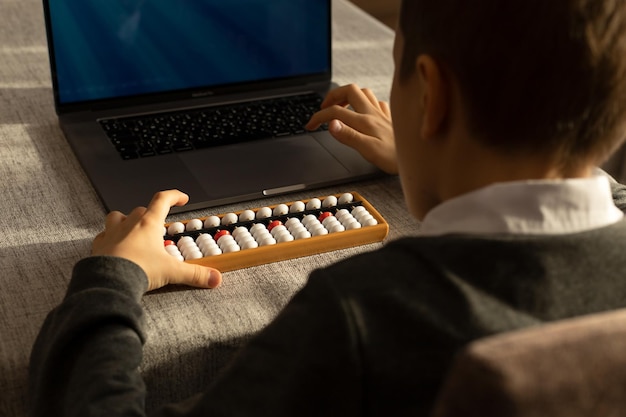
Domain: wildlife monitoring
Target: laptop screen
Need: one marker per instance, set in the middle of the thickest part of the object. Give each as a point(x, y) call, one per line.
point(103, 49)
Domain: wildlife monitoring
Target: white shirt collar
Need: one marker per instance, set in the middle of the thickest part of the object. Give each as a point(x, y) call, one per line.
point(538, 207)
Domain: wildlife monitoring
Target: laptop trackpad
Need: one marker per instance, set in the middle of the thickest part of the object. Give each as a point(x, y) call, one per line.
point(252, 167)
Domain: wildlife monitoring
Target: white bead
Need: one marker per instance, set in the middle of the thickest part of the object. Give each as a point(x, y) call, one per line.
point(239, 231)
point(319, 232)
point(187, 247)
point(296, 228)
point(315, 226)
point(261, 232)
point(212, 251)
point(280, 210)
point(329, 220)
point(361, 217)
point(278, 229)
point(313, 204)
point(204, 237)
point(211, 221)
point(206, 241)
point(225, 240)
point(246, 216)
point(292, 222)
point(309, 219)
point(266, 240)
point(175, 228)
point(194, 254)
point(257, 227)
point(244, 238)
point(193, 225)
point(249, 244)
point(164, 231)
point(369, 222)
point(346, 198)
point(264, 213)
point(301, 234)
point(260, 235)
point(336, 227)
point(183, 240)
point(357, 210)
point(297, 207)
point(208, 247)
point(351, 225)
point(172, 250)
point(230, 248)
point(284, 237)
point(347, 219)
point(229, 219)
point(330, 201)
point(342, 213)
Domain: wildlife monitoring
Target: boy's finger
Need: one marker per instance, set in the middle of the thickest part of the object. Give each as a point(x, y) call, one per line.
point(348, 95)
point(347, 135)
point(371, 97)
point(347, 116)
point(163, 201)
point(113, 218)
point(384, 106)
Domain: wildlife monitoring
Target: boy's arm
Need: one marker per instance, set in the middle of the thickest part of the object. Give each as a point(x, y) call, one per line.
point(74, 369)
point(84, 361)
point(358, 119)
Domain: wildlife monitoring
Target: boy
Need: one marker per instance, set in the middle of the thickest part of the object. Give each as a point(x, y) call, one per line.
point(501, 112)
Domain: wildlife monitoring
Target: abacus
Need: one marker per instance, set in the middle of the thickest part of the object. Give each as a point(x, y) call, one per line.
point(275, 233)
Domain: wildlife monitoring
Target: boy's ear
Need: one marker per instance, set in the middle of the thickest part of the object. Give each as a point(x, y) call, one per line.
point(434, 96)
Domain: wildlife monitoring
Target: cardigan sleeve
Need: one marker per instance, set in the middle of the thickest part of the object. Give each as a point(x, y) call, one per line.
point(85, 359)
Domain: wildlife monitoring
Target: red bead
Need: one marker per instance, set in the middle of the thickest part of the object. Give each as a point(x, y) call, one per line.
point(168, 242)
point(273, 225)
point(324, 215)
point(220, 233)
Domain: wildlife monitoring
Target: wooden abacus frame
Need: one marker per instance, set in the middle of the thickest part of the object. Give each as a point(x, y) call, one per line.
point(298, 248)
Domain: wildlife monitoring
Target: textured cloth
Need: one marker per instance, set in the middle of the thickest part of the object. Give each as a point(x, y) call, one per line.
point(372, 335)
point(571, 368)
point(49, 214)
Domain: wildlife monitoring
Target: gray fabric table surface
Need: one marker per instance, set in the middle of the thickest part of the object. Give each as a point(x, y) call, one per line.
point(50, 214)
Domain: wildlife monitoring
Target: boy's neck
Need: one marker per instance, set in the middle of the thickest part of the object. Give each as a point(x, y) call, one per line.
point(470, 166)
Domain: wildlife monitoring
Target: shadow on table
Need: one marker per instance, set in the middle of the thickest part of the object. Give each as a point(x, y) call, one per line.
point(189, 373)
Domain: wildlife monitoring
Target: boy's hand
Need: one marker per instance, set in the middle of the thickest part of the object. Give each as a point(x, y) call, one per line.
point(138, 237)
point(367, 128)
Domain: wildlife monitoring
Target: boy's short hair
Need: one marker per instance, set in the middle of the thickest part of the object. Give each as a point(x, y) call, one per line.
point(535, 75)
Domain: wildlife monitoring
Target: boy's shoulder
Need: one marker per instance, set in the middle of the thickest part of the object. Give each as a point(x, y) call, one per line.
point(498, 264)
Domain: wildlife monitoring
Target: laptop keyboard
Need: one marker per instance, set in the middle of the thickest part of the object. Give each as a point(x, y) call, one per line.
point(182, 131)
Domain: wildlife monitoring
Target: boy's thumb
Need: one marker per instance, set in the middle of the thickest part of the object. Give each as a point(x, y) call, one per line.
point(198, 276)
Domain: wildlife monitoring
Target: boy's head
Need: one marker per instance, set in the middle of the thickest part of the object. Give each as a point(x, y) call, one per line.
point(535, 76)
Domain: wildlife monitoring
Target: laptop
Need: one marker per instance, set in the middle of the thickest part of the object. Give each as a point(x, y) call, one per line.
point(137, 66)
